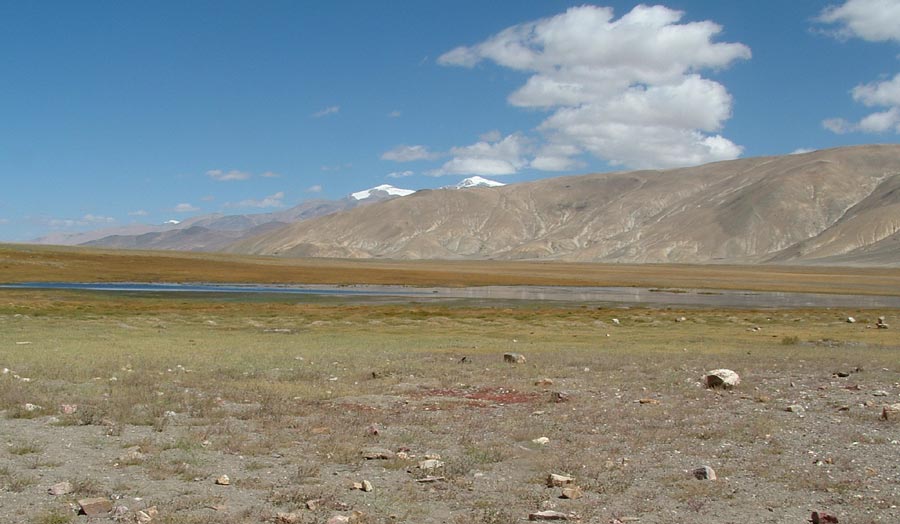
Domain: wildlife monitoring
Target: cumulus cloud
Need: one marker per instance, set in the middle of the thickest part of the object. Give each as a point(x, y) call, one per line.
point(222, 176)
point(627, 90)
point(502, 157)
point(404, 153)
point(871, 20)
point(400, 174)
point(185, 208)
point(884, 94)
point(314, 189)
point(330, 110)
point(276, 200)
point(269, 174)
point(394, 114)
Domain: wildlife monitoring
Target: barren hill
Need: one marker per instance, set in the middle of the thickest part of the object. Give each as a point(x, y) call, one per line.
point(838, 206)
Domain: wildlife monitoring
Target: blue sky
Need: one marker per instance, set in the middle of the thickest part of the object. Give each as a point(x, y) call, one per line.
point(114, 112)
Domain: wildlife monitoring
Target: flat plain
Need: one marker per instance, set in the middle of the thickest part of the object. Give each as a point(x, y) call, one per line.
point(146, 399)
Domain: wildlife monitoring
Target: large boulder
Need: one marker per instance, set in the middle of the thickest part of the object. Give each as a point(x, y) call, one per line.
point(721, 378)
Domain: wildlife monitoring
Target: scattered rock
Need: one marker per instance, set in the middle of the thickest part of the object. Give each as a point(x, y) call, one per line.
point(95, 507)
point(373, 430)
point(822, 518)
point(430, 464)
point(429, 478)
point(60, 488)
point(549, 515)
point(560, 396)
point(132, 454)
point(647, 401)
point(721, 378)
point(851, 320)
point(514, 358)
point(338, 519)
point(880, 393)
point(705, 473)
point(223, 480)
point(544, 382)
point(367, 486)
point(681, 319)
point(313, 504)
point(293, 517)
point(541, 441)
point(556, 481)
point(146, 515)
point(377, 454)
point(795, 408)
point(890, 412)
point(68, 409)
point(571, 493)
point(32, 407)
point(616, 322)
point(880, 323)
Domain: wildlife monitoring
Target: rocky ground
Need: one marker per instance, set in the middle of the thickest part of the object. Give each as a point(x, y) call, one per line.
point(603, 422)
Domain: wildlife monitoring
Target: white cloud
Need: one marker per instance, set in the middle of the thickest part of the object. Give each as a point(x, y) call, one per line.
point(400, 174)
point(884, 94)
point(86, 220)
point(138, 213)
point(627, 90)
point(185, 208)
point(276, 200)
point(330, 110)
point(404, 153)
point(269, 174)
point(491, 136)
point(222, 176)
point(208, 198)
point(871, 20)
point(503, 157)
point(394, 114)
point(801, 151)
point(314, 189)
point(4, 221)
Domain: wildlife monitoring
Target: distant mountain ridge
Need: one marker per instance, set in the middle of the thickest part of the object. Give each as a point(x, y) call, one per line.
point(837, 206)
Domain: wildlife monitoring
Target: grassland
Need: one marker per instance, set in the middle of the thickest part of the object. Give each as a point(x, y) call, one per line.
point(147, 400)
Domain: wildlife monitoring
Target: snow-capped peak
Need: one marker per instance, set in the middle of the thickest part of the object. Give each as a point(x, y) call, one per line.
point(477, 181)
point(384, 188)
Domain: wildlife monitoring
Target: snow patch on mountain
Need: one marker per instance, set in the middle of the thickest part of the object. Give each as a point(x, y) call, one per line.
point(477, 181)
point(384, 188)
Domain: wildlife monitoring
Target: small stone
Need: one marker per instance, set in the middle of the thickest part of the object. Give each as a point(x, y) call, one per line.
point(288, 518)
point(560, 396)
point(95, 507)
point(430, 464)
point(548, 515)
point(68, 409)
point(648, 401)
point(616, 322)
point(514, 358)
point(223, 480)
point(367, 486)
point(373, 430)
point(705, 473)
point(721, 378)
point(890, 412)
point(795, 408)
point(880, 393)
point(541, 441)
point(132, 454)
point(60, 488)
point(357, 486)
point(377, 454)
point(851, 320)
point(544, 382)
point(556, 481)
point(572, 493)
point(338, 519)
point(429, 479)
point(146, 515)
point(32, 407)
point(313, 504)
point(681, 319)
point(822, 518)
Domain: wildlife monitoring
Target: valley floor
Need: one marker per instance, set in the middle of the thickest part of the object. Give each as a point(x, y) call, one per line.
point(146, 402)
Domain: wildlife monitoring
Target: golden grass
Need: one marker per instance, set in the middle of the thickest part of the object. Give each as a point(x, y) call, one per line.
point(23, 263)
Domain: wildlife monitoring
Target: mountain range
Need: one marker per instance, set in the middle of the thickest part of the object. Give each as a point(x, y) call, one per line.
point(832, 207)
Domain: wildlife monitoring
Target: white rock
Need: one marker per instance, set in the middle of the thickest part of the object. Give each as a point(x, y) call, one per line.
point(721, 378)
point(542, 441)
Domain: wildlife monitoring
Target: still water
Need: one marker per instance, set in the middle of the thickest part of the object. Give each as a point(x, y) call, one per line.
point(610, 295)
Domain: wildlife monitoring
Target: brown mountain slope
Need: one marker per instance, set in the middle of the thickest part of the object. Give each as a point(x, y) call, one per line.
point(803, 208)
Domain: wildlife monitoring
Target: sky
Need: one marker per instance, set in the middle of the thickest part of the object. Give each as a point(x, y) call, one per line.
point(121, 112)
